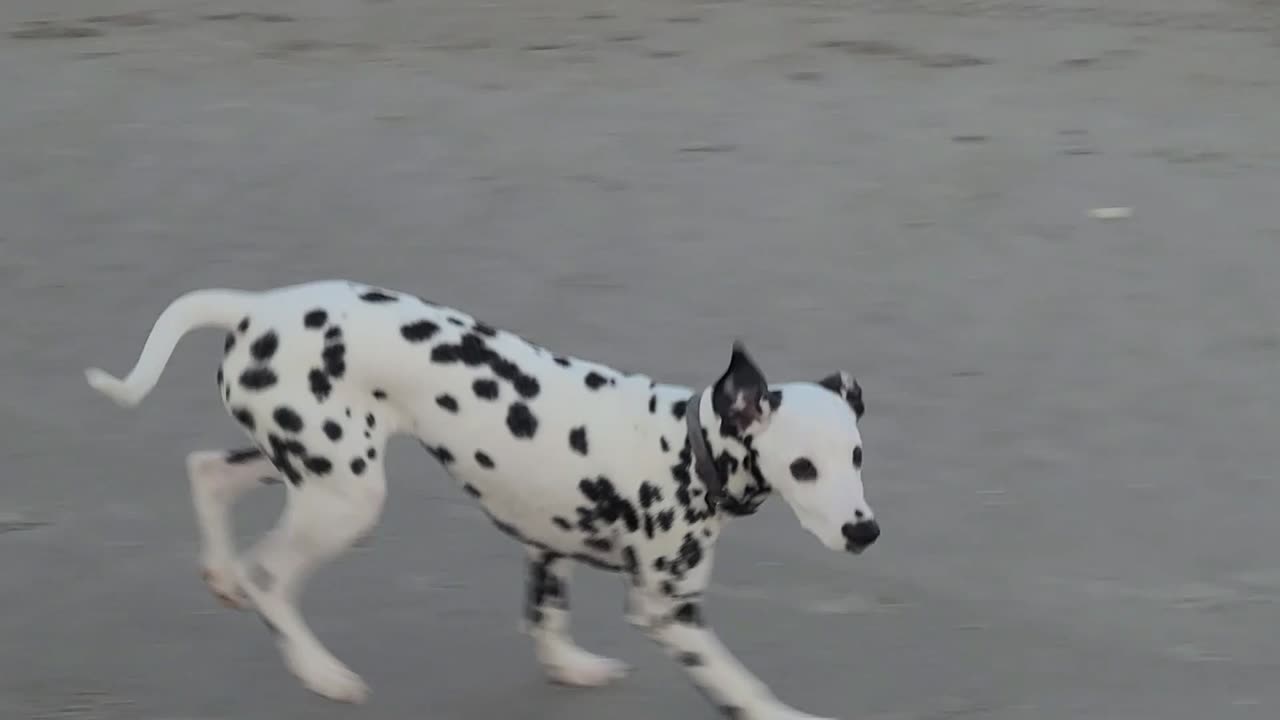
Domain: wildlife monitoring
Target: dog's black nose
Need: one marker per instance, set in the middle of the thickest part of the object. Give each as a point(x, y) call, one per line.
point(860, 534)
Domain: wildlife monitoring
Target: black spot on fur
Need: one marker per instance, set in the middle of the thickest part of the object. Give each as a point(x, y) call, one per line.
point(371, 453)
point(287, 419)
point(281, 456)
point(219, 377)
point(317, 464)
point(379, 394)
point(504, 368)
point(335, 360)
point(443, 455)
point(666, 519)
point(265, 346)
point(471, 490)
point(607, 505)
point(485, 389)
point(527, 386)
point(666, 447)
point(315, 319)
point(357, 466)
point(599, 544)
point(653, 403)
point(333, 333)
point(594, 380)
point(578, 440)
point(370, 420)
point(240, 457)
point(690, 554)
point(258, 378)
point(561, 361)
point(803, 470)
point(332, 430)
point(229, 344)
point(447, 402)
point(483, 460)
point(688, 614)
point(376, 296)
point(677, 409)
point(484, 329)
point(244, 417)
point(520, 421)
point(444, 354)
point(561, 523)
point(857, 457)
point(649, 494)
point(320, 385)
point(472, 350)
point(419, 331)
point(244, 324)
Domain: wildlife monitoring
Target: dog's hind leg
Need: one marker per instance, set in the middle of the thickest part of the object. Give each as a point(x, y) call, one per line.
point(218, 479)
point(546, 620)
point(325, 514)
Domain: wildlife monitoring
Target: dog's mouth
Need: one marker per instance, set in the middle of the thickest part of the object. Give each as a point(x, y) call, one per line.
point(856, 548)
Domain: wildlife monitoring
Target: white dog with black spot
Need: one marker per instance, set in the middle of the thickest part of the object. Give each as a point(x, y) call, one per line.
point(576, 460)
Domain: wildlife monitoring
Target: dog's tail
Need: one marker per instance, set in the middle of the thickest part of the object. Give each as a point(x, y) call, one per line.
point(192, 311)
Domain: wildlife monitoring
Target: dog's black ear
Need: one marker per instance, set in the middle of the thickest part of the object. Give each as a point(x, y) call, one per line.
point(741, 396)
point(844, 385)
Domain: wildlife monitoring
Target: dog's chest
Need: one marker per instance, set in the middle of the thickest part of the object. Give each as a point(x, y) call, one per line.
point(597, 503)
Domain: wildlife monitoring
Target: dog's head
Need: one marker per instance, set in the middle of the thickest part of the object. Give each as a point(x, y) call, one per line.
point(802, 439)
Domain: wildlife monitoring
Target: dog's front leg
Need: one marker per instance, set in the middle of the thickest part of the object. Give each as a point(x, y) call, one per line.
point(714, 670)
point(546, 620)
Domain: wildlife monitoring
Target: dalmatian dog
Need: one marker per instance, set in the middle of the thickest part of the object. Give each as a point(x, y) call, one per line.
point(577, 461)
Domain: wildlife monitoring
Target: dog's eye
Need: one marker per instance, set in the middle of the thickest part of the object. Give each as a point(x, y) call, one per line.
point(857, 457)
point(803, 470)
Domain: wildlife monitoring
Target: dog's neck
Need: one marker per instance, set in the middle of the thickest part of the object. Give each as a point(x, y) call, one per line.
point(742, 488)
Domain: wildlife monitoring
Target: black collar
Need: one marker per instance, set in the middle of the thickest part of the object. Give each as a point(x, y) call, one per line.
point(703, 464)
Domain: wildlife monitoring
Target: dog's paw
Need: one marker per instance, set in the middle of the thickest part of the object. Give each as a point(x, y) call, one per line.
point(578, 668)
point(327, 677)
point(222, 583)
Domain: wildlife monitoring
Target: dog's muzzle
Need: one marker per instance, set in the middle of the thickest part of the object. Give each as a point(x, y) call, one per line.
point(860, 535)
